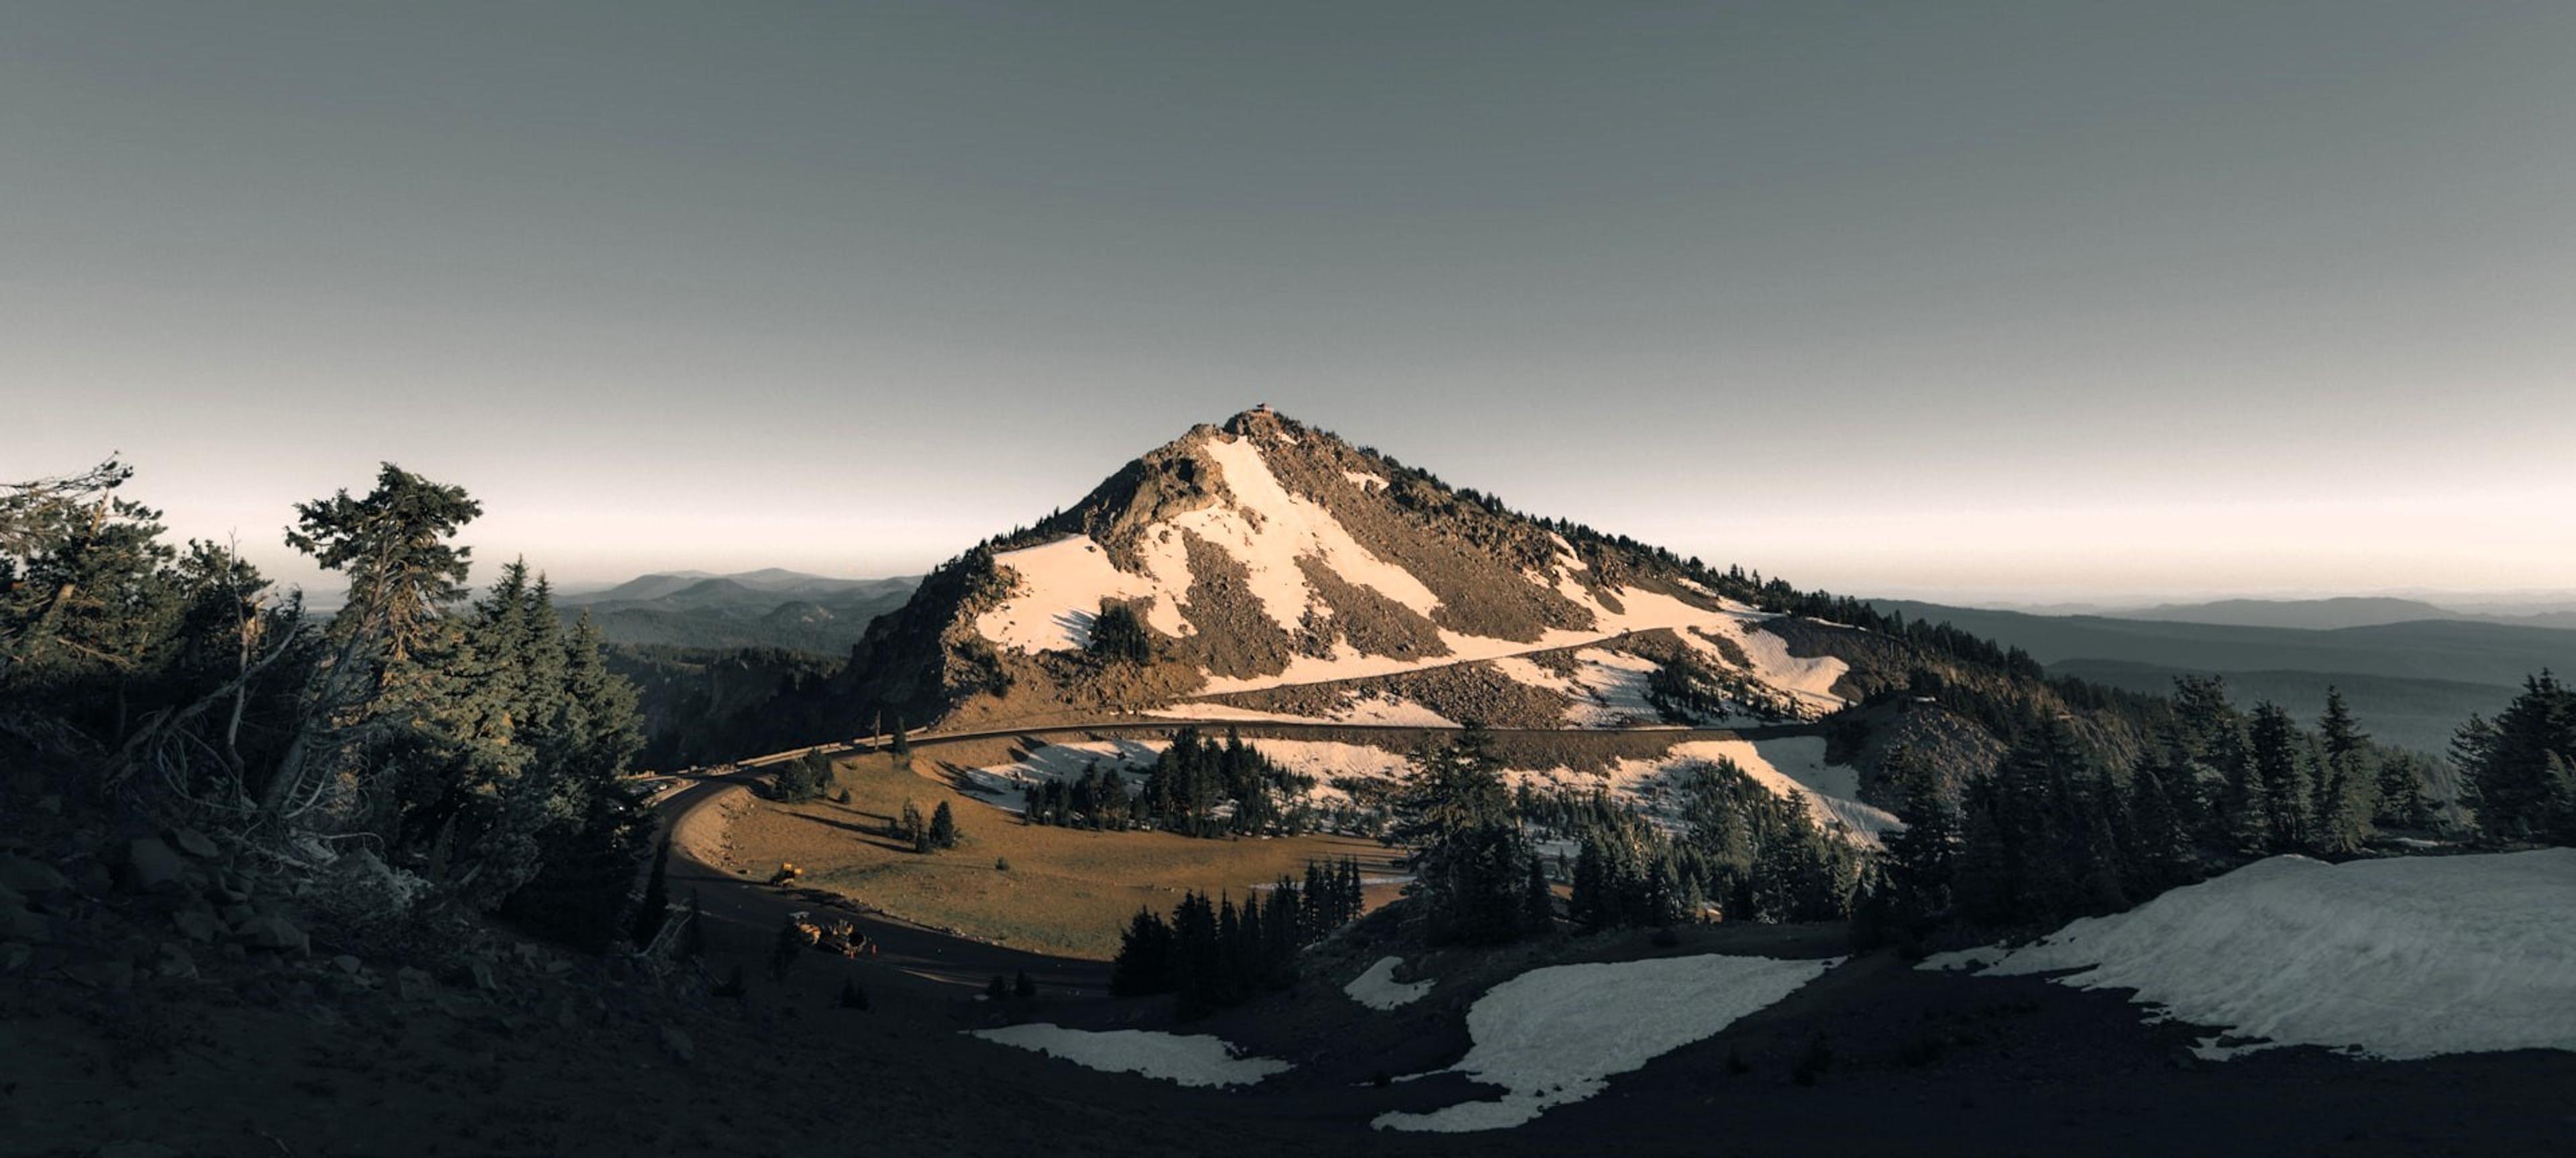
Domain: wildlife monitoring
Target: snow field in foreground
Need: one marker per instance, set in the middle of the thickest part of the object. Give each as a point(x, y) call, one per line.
point(1188, 1059)
point(2405, 957)
point(1378, 988)
point(1555, 1035)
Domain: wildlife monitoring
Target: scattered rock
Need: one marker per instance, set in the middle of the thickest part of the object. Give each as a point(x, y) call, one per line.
point(677, 1041)
point(114, 976)
point(175, 963)
point(346, 963)
point(196, 844)
point(414, 984)
point(197, 924)
point(151, 864)
point(14, 956)
point(270, 931)
point(30, 877)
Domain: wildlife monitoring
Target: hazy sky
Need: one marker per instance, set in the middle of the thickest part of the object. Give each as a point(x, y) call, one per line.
point(2043, 300)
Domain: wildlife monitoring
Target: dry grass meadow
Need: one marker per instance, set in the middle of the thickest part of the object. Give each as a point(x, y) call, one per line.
point(1067, 891)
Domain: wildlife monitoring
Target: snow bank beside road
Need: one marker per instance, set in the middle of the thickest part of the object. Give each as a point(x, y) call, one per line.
point(1555, 1035)
point(2402, 958)
point(1188, 1059)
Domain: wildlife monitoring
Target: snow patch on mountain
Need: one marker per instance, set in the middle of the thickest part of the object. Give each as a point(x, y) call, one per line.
point(1611, 688)
point(2405, 957)
point(1264, 527)
point(1809, 678)
point(1007, 785)
point(1268, 529)
point(1794, 767)
point(1378, 989)
point(1328, 760)
point(1524, 671)
point(1059, 591)
point(1379, 710)
point(1556, 1035)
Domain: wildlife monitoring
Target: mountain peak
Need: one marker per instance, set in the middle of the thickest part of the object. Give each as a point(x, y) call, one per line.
point(1263, 557)
point(1260, 420)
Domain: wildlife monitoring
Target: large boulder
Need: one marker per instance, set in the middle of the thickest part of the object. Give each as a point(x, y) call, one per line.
point(197, 924)
point(151, 865)
point(270, 931)
point(196, 844)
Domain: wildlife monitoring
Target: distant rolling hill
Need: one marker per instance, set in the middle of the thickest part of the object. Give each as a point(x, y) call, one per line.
point(771, 608)
point(2457, 650)
point(2411, 682)
point(2407, 713)
point(2329, 614)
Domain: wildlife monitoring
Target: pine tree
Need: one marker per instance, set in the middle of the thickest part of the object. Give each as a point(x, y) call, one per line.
point(1919, 858)
point(1466, 851)
point(2402, 801)
point(393, 545)
point(1145, 958)
point(1591, 905)
point(1313, 912)
point(943, 827)
point(1538, 901)
point(2519, 765)
point(2344, 783)
point(2280, 779)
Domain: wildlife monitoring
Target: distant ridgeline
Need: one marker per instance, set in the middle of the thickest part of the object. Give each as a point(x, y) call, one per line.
point(773, 609)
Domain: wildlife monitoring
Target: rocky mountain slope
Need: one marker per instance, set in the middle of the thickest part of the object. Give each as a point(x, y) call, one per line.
point(1266, 569)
